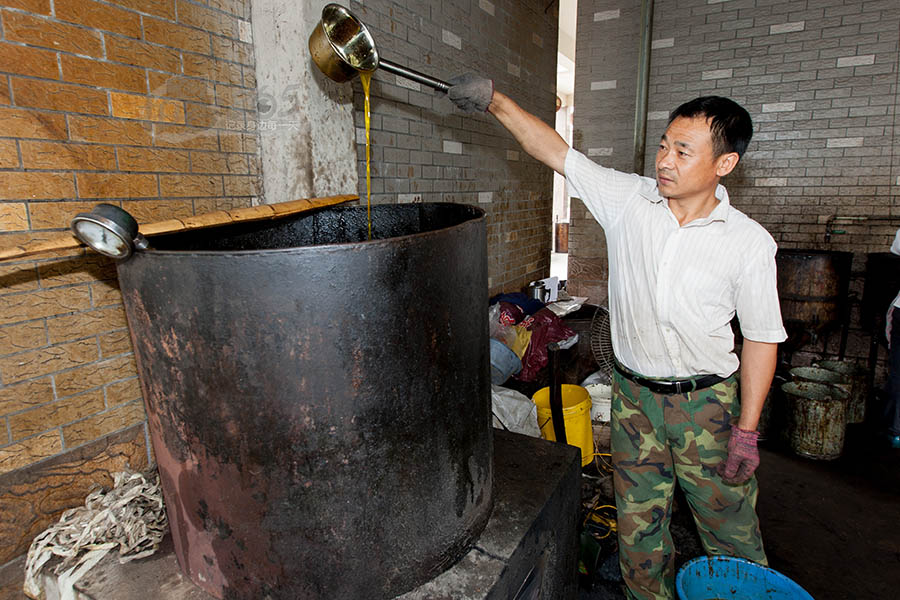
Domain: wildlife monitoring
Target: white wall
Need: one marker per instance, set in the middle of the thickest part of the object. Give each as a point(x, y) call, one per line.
point(306, 129)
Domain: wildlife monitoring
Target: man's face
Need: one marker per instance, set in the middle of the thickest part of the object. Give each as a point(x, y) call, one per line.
point(685, 165)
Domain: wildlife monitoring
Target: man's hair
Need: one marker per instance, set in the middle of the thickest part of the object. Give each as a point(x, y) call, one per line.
point(730, 124)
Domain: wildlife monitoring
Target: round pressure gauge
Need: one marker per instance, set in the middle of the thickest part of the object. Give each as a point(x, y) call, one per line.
point(109, 230)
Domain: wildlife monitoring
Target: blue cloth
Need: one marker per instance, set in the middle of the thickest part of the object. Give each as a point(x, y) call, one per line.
point(528, 305)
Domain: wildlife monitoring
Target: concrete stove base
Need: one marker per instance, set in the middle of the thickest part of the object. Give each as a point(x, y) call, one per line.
point(528, 550)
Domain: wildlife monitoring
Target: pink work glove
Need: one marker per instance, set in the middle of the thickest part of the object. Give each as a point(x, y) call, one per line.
point(743, 456)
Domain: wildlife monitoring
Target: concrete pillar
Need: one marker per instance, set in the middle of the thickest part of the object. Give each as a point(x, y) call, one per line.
point(306, 131)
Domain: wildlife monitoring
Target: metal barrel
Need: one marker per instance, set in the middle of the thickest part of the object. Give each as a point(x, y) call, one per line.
point(318, 403)
point(816, 419)
point(855, 377)
point(820, 375)
point(813, 286)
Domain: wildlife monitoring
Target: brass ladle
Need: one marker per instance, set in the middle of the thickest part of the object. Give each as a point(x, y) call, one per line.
point(341, 47)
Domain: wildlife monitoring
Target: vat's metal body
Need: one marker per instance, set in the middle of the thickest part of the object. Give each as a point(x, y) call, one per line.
point(319, 405)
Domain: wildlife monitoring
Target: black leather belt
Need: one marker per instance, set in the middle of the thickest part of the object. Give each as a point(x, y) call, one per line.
point(669, 387)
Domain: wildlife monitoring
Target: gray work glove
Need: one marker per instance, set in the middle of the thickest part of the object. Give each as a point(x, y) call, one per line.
point(471, 93)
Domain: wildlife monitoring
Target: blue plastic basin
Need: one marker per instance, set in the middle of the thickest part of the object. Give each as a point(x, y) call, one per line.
point(504, 362)
point(730, 578)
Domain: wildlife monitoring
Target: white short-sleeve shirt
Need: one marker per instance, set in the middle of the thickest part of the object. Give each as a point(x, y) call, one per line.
point(673, 290)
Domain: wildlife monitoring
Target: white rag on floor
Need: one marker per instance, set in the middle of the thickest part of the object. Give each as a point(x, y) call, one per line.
point(131, 516)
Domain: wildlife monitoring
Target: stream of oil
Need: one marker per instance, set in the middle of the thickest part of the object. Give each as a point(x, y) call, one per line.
point(366, 79)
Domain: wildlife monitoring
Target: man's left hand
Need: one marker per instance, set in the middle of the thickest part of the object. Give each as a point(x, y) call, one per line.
point(471, 93)
point(743, 457)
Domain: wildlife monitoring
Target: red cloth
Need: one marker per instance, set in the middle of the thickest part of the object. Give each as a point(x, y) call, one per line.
point(545, 328)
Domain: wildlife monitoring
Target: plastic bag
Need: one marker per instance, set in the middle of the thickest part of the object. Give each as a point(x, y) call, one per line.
point(514, 411)
point(599, 387)
point(596, 377)
point(510, 314)
point(546, 328)
point(494, 324)
point(503, 331)
point(521, 341)
point(565, 307)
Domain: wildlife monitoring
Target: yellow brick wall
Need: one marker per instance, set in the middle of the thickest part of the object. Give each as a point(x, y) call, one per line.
point(147, 104)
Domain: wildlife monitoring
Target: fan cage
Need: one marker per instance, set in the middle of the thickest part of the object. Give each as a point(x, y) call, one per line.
point(601, 341)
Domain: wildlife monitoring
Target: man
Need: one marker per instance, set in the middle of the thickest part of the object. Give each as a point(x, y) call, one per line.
point(682, 263)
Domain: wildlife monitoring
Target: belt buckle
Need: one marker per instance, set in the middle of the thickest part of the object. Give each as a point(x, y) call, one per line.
point(682, 388)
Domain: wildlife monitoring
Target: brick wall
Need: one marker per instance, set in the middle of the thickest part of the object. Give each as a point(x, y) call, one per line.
point(819, 78)
point(424, 150)
point(142, 104)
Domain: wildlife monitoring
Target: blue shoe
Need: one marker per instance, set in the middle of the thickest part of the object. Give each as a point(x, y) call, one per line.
point(895, 441)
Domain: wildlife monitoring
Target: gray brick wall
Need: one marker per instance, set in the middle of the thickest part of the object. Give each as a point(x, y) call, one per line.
point(820, 78)
point(424, 150)
point(605, 86)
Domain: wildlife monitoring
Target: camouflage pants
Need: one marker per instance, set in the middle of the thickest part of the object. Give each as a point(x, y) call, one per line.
point(656, 440)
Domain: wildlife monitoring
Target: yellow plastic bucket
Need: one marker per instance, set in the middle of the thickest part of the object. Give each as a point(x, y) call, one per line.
point(576, 403)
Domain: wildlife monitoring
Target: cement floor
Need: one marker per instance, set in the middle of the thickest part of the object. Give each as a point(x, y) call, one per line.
point(832, 526)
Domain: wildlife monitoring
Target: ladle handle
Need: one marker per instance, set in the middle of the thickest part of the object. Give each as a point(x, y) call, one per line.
point(66, 241)
point(413, 75)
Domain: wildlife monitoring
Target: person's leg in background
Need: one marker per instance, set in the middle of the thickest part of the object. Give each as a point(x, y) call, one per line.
point(892, 405)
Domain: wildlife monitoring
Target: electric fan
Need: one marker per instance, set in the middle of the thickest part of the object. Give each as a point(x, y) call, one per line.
point(601, 341)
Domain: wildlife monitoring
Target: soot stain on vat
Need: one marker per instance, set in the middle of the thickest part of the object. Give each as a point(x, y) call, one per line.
point(219, 545)
point(159, 402)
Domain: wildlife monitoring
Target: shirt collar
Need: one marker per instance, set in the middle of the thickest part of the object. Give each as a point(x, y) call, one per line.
point(719, 213)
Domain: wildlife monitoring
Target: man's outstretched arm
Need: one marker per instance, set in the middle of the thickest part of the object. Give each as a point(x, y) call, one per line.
point(536, 137)
point(472, 93)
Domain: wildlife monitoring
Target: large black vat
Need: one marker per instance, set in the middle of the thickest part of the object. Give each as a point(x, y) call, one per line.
point(319, 403)
point(813, 287)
